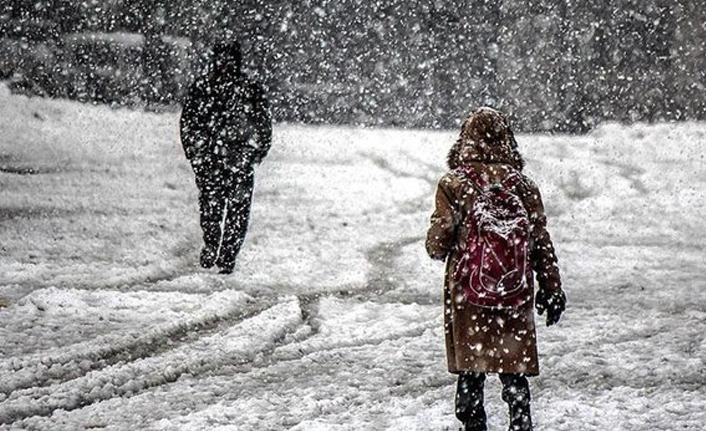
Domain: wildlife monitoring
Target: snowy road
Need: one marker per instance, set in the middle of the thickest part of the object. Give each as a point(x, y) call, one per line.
point(332, 319)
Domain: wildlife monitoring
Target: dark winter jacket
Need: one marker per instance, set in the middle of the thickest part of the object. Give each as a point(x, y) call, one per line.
point(481, 339)
point(226, 119)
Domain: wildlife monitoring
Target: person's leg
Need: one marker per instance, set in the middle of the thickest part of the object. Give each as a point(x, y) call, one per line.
point(211, 205)
point(469, 401)
point(516, 394)
point(236, 219)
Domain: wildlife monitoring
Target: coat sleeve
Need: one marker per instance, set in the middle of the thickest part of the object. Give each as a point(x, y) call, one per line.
point(192, 133)
point(441, 235)
point(263, 122)
point(542, 254)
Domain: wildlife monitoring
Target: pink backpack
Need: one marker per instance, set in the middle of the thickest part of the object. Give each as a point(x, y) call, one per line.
point(494, 269)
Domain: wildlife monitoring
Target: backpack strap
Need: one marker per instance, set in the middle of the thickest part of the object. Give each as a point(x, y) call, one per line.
point(511, 180)
point(476, 179)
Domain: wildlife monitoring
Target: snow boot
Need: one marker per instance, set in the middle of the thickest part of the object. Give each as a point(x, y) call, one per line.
point(469, 401)
point(208, 257)
point(226, 260)
point(516, 394)
point(226, 269)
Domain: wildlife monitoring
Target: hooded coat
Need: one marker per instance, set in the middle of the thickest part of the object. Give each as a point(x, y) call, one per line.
point(482, 339)
point(225, 117)
point(226, 129)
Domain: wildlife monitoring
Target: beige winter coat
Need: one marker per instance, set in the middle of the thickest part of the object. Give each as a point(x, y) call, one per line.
point(481, 339)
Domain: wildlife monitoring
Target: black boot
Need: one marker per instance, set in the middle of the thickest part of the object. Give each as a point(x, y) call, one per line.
point(469, 401)
point(226, 260)
point(208, 257)
point(516, 394)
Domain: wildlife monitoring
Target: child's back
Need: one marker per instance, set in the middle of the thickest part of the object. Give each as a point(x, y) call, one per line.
point(486, 334)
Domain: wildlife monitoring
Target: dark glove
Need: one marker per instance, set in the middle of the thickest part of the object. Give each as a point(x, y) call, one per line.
point(258, 157)
point(553, 302)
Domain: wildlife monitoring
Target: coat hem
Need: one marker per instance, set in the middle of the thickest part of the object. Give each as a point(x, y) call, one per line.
point(524, 373)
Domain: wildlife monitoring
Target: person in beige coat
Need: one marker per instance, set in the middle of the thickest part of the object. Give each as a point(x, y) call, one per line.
point(480, 339)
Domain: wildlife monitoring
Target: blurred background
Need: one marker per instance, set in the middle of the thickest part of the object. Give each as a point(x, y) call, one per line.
point(553, 65)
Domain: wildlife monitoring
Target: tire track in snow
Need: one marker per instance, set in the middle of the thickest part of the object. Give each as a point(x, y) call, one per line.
point(40, 370)
point(631, 173)
point(236, 345)
point(185, 401)
point(410, 206)
point(37, 370)
point(380, 280)
point(181, 266)
point(385, 165)
point(382, 258)
point(291, 352)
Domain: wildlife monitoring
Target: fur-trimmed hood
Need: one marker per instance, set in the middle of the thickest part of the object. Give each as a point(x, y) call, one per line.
point(486, 137)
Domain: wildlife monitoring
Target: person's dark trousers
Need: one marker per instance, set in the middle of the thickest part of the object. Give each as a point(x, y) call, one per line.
point(225, 197)
point(469, 401)
point(211, 205)
point(237, 215)
point(516, 394)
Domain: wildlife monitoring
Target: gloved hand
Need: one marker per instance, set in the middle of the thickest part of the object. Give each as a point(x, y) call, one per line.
point(554, 303)
point(258, 157)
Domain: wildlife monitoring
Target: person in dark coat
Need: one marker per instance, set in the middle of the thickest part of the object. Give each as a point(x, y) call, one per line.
point(226, 130)
point(482, 340)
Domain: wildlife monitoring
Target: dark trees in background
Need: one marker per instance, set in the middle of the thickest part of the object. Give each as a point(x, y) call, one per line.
point(39, 20)
point(555, 65)
point(632, 60)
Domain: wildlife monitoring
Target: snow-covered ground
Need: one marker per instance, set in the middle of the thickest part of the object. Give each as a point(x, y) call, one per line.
point(332, 319)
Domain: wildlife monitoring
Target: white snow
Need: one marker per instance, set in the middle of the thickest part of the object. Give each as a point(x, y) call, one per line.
point(332, 319)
